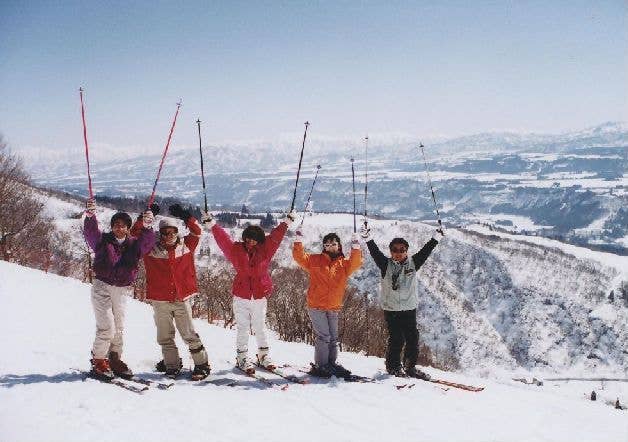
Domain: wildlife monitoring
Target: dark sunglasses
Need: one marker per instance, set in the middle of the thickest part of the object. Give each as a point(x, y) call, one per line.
point(398, 250)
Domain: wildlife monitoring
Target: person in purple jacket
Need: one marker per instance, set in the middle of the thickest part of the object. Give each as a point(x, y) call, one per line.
point(116, 257)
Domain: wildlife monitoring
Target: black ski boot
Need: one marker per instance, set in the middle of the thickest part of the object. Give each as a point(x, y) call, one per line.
point(339, 371)
point(201, 372)
point(118, 366)
point(396, 371)
point(413, 372)
point(324, 371)
point(161, 365)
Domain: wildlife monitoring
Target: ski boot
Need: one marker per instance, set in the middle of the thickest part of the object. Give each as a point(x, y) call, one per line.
point(200, 372)
point(321, 371)
point(264, 360)
point(101, 370)
point(118, 367)
point(244, 364)
point(161, 365)
point(413, 372)
point(396, 371)
point(339, 371)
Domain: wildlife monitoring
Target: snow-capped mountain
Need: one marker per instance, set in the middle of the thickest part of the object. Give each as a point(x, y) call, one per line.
point(572, 186)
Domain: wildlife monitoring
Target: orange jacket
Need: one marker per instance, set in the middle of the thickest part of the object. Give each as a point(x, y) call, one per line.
point(328, 279)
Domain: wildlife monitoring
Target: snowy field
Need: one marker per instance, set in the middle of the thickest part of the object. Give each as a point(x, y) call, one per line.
point(50, 328)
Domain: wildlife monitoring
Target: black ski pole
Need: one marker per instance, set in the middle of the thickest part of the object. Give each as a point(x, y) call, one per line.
point(366, 179)
point(294, 196)
point(200, 149)
point(429, 180)
point(307, 203)
point(355, 229)
point(151, 200)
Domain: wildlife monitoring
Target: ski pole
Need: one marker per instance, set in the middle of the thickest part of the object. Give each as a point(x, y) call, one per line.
point(294, 196)
point(89, 176)
point(151, 200)
point(200, 149)
point(429, 180)
point(353, 181)
point(366, 178)
point(307, 203)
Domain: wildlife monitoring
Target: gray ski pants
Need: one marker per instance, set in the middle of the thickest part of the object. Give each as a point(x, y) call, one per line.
point(109, 304)
point(325, 327)
point(181, 312)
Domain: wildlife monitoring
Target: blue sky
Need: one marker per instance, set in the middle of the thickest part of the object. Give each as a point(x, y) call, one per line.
point(255, 70)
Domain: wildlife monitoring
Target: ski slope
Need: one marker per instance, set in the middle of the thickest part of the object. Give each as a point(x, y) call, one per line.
point(48, 328)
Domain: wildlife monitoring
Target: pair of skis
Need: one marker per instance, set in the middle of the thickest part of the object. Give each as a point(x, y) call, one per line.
point(134, 384)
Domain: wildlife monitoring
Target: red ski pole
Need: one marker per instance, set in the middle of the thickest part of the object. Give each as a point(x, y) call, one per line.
point(151, 200)
point(89, 176)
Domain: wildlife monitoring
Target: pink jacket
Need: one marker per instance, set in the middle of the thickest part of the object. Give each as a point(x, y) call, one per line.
point(252, 280)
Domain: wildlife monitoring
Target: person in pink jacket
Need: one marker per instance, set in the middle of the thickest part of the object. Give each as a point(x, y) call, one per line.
point(252, 284)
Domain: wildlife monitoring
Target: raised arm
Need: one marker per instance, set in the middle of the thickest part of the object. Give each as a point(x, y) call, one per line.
point(224, 241)
point(419, 257)
point(273, 240)
point(355, 261)
point(380, 259)
point(191, 239)
point(91, 232)
point(300, 256)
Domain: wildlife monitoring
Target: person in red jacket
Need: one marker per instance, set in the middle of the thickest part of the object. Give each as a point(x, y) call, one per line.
point(170, 285)
point(252, 284)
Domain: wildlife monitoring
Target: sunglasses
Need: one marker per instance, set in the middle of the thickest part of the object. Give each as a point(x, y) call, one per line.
point(329, 245)
point(398, 250)
point(168, 233)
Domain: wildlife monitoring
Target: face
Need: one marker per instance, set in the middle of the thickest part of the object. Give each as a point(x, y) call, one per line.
point(398, 252)
point(331, 246)
point(168, 235)
point(120, 229)
point(249, 243)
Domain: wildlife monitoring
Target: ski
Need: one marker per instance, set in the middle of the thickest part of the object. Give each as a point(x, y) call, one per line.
point(149, 383)
point(456, 385)
point(116, 382)
point(257, 377)
point(348, 378)
point(289, 377)
point(534, 381)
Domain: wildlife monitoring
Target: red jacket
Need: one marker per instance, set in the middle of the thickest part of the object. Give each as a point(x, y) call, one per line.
point(170, 272)
point(252, 280)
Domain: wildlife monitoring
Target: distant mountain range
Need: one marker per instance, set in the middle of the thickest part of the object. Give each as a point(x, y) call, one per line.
point(571, 185)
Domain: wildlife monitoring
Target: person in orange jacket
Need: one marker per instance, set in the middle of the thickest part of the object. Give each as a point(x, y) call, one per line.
point(329, 272)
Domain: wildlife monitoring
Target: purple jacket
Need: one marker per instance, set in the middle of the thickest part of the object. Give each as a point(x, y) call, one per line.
point(116, 264)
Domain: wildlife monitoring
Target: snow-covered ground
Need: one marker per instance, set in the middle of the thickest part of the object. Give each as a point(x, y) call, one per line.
point(49, 328)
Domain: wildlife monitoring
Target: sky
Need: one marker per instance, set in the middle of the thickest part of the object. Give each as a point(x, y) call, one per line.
point(259, 70)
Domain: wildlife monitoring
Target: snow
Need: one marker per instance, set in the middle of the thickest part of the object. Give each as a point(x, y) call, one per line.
point(50, 329)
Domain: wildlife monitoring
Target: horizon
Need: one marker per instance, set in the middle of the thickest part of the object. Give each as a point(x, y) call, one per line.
point(257, 72)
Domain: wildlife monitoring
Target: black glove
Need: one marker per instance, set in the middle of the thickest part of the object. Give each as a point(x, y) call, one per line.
point(179, 212)
point(154, 208)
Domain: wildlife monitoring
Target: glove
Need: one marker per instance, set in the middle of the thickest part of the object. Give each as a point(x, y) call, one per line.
point(154, 208)
point(207, 219)
point(179, 212)
point(365, 233)
point(355, 240)
point(90, 207)
point(289, 219)
point(148, 218)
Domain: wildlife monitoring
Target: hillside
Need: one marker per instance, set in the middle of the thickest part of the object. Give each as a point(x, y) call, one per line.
point(502, 300)
point(51, 329)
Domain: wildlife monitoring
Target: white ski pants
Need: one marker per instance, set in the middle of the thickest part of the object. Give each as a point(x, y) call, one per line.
point(250, 314)
point(109, 304)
